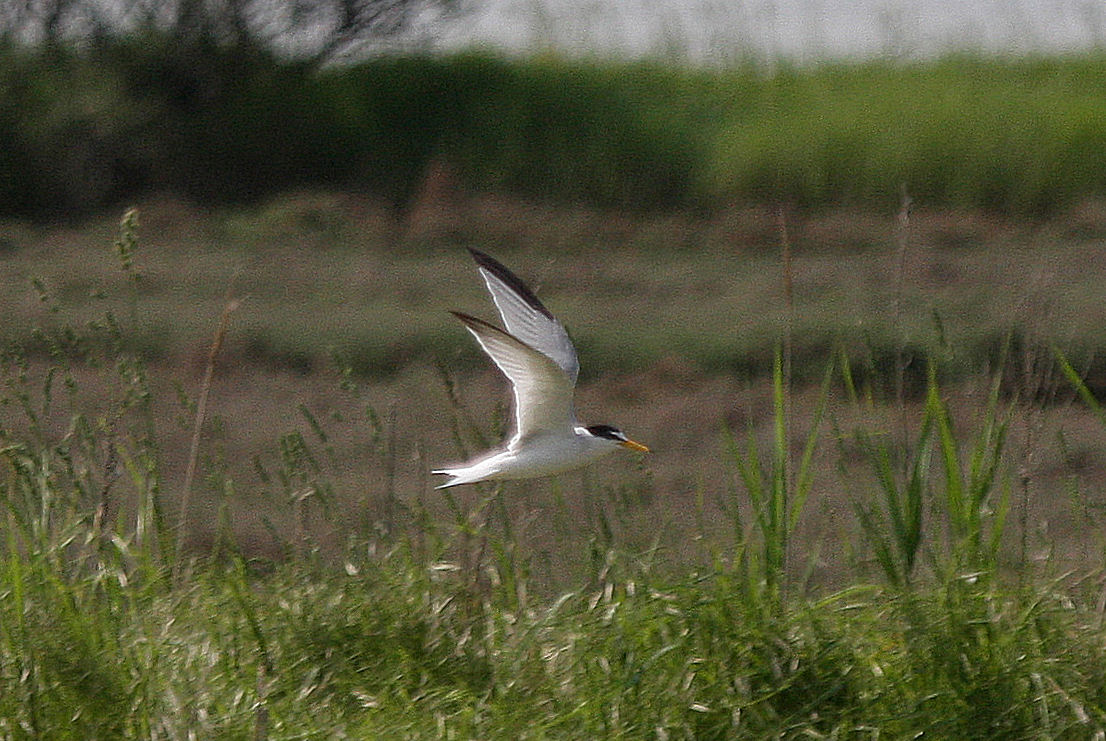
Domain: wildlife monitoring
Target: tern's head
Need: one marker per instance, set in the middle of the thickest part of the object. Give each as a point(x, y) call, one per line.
point(616, 436)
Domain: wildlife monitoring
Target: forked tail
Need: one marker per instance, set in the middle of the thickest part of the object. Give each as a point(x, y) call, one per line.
point(455, 477)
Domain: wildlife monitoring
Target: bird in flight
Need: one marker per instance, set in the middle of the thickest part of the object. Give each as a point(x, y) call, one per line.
point(537, 356)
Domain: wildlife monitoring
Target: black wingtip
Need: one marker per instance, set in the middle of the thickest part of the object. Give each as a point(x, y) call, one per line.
point(467, 318)
point(470, 321)
point(496, 268)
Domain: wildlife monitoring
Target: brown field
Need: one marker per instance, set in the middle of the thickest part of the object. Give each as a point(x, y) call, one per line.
point(675, 316)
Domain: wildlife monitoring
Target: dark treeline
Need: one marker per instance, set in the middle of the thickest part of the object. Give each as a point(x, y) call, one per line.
point(83, 129)
point(232, 100)
point(90, 125)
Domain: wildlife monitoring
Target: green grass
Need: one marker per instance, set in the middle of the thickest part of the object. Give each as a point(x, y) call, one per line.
point(385, 610)
point(1020, 136)
point(1010, 135)
point(403, 649)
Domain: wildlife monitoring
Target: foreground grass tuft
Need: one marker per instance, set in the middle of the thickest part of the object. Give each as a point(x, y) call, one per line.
point(395, 648)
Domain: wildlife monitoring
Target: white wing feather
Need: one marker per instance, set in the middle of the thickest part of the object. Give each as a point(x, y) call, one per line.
point(525, 317)
point(542, 389)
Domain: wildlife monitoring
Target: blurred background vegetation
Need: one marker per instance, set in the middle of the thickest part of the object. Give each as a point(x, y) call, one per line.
point(208, 105)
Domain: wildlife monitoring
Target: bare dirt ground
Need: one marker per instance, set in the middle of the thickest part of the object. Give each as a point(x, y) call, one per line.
point(665, 310)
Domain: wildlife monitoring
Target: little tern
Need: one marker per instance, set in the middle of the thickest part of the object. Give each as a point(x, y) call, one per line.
point(538, 358)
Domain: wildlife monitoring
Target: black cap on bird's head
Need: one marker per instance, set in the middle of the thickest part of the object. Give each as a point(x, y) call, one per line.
point(615, 434)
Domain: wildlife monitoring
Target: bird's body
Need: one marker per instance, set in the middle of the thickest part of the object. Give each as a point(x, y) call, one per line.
point(534, 457)
point(538, 358)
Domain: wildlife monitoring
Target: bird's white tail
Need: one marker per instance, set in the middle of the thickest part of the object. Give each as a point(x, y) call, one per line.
point(479, 470)
point(455, 477)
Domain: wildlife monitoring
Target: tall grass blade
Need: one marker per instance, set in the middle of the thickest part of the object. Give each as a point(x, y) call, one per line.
point(776, 498)
point(976, 513)
point(804, 477)
point(956, 505)
point(229, 307)
point(1080, 386)
point(894, 529)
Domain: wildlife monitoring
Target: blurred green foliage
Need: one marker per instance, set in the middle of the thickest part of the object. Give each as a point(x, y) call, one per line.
point(88, 128)
point(1019, 136)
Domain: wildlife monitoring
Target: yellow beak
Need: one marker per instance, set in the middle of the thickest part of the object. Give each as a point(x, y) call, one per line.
point(634, 446)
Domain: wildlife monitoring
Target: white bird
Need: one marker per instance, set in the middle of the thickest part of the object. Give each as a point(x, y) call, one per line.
point(537, 356)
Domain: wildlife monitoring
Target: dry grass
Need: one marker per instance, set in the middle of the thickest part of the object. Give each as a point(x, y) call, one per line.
point(674, 315)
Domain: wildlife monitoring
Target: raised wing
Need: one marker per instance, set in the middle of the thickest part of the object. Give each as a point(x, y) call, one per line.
point(525, 317)
point(543, 391)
